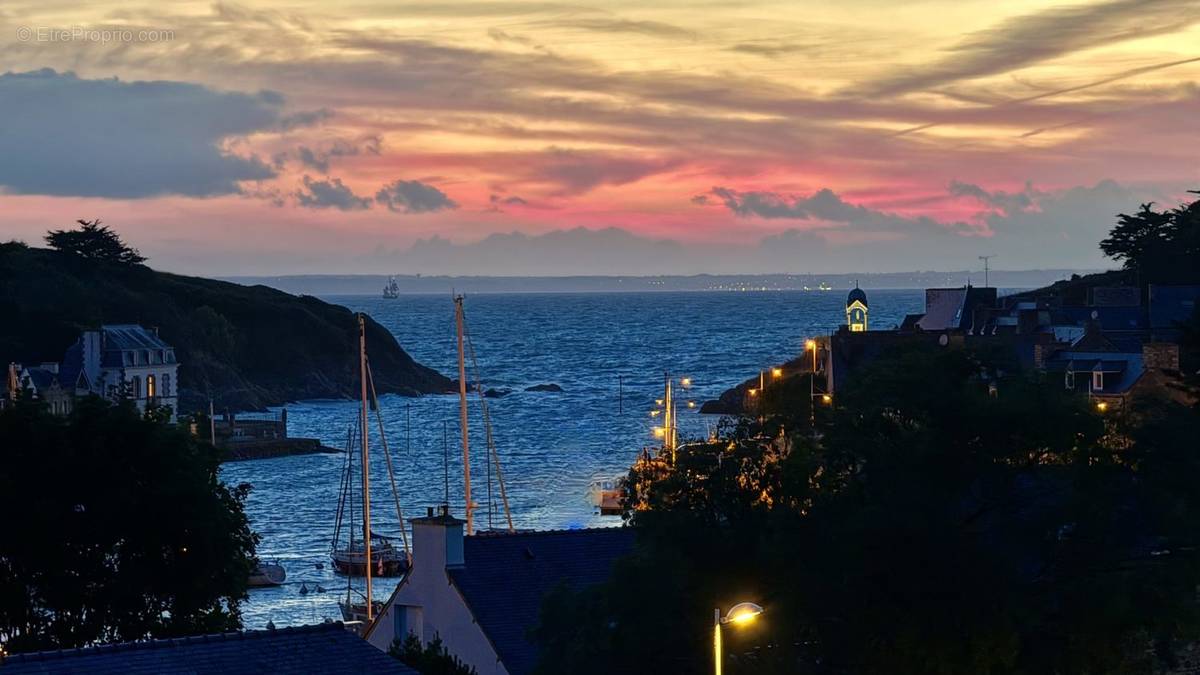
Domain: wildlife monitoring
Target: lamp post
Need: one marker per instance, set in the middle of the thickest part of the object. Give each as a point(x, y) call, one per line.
point(811, 345)
point(741, 613)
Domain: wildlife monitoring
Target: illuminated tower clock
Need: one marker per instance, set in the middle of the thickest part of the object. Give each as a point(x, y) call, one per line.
point(856, 309)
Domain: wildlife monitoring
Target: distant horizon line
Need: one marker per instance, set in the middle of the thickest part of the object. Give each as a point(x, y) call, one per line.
point(548, 277)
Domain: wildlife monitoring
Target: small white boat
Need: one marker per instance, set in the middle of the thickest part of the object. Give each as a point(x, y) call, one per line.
point(267, 574)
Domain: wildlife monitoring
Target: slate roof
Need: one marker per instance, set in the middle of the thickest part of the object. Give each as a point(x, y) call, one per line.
point(120, 338)
point(943, 308)
point(506, 575)
point(41, 378)
point(1170, 305)
point(131, 336)
point(1128, 367)
point(323, 648)
point(1109, 318)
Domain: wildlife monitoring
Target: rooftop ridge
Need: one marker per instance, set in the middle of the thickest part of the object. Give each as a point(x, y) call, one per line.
point(159, 643)
point(532, 533)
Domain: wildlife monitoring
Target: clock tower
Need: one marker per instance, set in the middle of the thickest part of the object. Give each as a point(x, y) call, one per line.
point(856, 309)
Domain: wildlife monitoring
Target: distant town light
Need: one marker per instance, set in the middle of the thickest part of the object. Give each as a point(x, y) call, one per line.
point(686, 382)
point(691, 404)
point(777, 372)
point(658, 401)
point(659, 432)
point(654, 413)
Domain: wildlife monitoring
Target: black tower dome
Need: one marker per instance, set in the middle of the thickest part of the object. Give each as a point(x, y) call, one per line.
point(857, 294)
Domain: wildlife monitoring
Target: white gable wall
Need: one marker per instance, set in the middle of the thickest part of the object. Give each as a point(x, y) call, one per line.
point(427, 603)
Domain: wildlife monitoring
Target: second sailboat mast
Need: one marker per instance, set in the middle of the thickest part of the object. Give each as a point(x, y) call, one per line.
point(462, 412)
point(366, 470)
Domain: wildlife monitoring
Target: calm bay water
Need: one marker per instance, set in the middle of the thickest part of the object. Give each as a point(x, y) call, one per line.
point(551, 445)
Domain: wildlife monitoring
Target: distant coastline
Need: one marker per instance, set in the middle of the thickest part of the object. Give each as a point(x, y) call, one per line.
point(372, 284)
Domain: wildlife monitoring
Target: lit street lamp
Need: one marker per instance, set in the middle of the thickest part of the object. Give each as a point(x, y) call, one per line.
point(811, 344)
point(740, 614)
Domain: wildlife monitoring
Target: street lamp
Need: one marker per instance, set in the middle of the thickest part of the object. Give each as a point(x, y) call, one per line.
point(811, 345)
point(740, 614)
point(777, 373)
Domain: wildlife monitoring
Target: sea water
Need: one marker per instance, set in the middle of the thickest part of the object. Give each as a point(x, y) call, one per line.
point(608, 351)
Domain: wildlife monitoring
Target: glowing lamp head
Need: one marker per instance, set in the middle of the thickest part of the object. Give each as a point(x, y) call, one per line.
point(654, 413)
point(691, 404)
point(810, 344)
point(777, 372)
point(753, 391)
point(826, 399)
point(1102, 406)
point(659, 432)
point(658, 401)
point(742, 613)
point(687, 381)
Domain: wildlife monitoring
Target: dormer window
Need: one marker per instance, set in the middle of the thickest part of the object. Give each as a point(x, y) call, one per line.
point(1097, 380)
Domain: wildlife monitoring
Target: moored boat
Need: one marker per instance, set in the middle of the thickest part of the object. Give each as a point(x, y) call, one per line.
point(386, 559)
point(267, 574)
point(605, 495)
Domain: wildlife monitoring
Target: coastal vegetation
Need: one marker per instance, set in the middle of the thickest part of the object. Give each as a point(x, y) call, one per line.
point(948, 513)
point(245, 347)
point(116, 529)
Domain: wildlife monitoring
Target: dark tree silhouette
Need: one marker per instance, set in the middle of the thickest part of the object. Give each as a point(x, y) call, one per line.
point(932, 527)
point(116, 528)
point(431, 659)
point(94, 241)
point(1161, 246)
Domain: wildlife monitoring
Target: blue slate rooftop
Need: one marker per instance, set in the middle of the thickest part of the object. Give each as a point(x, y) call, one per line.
point(1172, 305)
point(506, 575)
point(323, 648)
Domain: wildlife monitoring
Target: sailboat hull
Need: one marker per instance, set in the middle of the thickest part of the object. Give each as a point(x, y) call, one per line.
point(382, 568)
point(386, 561)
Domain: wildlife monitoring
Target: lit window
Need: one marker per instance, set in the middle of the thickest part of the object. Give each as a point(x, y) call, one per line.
point(1097, 381)
point(151, 391)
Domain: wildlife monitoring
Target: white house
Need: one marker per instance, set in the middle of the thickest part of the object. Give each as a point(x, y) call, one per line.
point(123, 361)
point(482, 593)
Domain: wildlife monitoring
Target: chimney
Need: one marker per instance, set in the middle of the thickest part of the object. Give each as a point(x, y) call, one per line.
point(91, 349)
point(438, 540)
point(1160, 356)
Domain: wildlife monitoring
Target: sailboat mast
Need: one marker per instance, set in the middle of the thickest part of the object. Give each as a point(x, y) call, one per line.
point(462, 412)
point(366, 470)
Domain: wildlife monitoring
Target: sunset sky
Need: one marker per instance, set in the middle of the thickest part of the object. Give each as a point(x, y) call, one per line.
point(502, 137)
